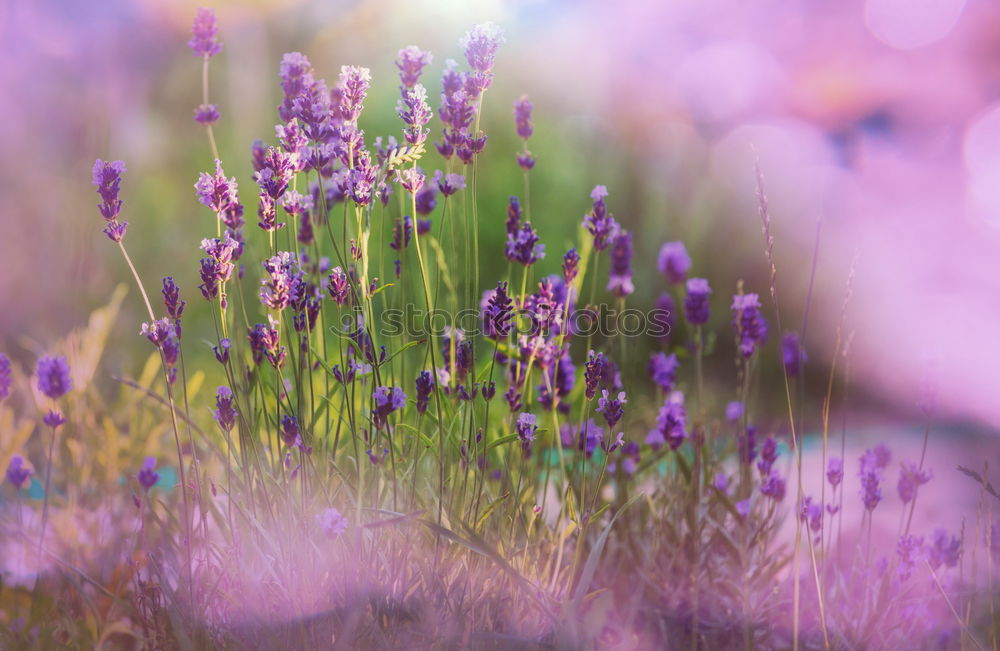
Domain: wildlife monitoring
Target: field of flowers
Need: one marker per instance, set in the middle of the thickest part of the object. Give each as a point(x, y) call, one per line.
point(376, 423)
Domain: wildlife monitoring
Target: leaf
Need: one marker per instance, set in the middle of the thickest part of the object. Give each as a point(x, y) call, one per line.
point(502, 441)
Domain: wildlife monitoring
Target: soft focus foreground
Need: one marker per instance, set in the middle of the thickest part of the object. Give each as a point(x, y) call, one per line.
point(377, 422)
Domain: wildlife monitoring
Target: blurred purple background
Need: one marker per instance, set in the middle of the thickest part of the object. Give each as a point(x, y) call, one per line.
point(879, 118)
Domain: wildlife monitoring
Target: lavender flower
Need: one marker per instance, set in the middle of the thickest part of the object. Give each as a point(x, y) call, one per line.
point(751, 328)
point(53, 376)
point(172, 299)
point(147, 476)
point(911, 478)
point(522, 117)
point(696, 306)
point(218, 267)
point(353, 83)
point(663, 370)
point(498, 313)
point(426, 198)
point(526, 427)
point(17, 472)
point(107, 176)
point(6, 376)
point(332, 523)
point(338, 286)
point(387, 400)
point(203, 32)
point(265, 342)
point(225, 413)
point(812, 513)
point(54, 418)
point(910, 550)
point(768, 455)
point(673, 262)
point(411, 62)
point(599, 222)
point(734, 410)
point(620, 278)
point(278, 167)
point(523, 246)
point(283, 285)
point(415, 112)
point(297, 82)
point(449, 184)
point(571, 266)
point(944, 550)
point(425, 384)
point(526, 160)
point(560, 378)
point(871, 489)
point(206, 114)
point(773, 486)
point(513, 222)
point(595, 370)
point(612, 408)
point(835, 471)
point(411, 179)
point(290, 433)
point(670, 426)
point(584, 438)
point(792, 354)
point(480, 46)
point(222, 350)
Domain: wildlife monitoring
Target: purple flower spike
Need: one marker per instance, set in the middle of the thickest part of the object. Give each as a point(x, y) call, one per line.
point(425, 384)
point(147, 476)
point(911, 478)
point(751, 328)
point(415, 112)
point(53, 376)
point(54, 418)
point(449, 184)
point(773, 487)
point(338, 285)
point(411, 62)
point(663, 370)
point(734, 410)
point(696, 306)
point(612, 408)
point(290, 433)
point(222, 350)
point(6, 376)
point(670, 426)
point(523, 246)
point(944, 550)
point(480, 46)
point(835, 471)
point(526, 160)
point(353, 83)
point(599, 222)
point(522, 117)
point(225, 414)
point(387, 400)
point(203, 33)
point(332, 523)
point(17, 472)
point(206, 114)
point(792, 354)
point(620, 279)
point(107, 176)
point(674, 262)
point(498, 313)
point(571, 266)
point(526, 428)
point(172, 298)
point(595, 369)
point(871, 489)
